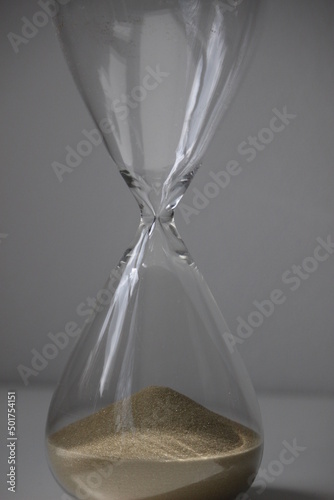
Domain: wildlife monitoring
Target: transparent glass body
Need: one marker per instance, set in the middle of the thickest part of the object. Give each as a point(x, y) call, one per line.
point(153, 403)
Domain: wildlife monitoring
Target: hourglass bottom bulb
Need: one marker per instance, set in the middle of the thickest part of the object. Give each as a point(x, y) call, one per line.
point(158, 445)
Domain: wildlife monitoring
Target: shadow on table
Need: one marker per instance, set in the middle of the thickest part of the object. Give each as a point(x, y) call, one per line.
point(278, 494)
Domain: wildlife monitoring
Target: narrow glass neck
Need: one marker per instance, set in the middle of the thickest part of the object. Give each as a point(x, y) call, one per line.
point(157, 243)
point(158, 200)
point(149, 218)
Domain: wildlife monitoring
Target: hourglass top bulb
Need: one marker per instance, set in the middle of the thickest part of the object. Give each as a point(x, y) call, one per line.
point(157, 77)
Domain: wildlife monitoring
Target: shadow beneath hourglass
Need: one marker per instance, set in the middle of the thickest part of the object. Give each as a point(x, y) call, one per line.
point(283, 494)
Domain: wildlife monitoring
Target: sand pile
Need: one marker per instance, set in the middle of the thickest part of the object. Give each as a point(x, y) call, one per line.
point(157, 444)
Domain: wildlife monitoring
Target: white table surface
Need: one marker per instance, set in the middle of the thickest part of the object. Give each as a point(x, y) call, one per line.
point(307, 420)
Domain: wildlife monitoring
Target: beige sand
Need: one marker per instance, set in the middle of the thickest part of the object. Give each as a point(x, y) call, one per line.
point(156, 445)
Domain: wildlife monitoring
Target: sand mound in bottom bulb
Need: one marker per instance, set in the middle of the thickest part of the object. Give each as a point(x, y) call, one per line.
point(157, 444)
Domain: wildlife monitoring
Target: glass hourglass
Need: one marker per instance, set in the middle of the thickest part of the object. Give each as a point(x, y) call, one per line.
point(152, 403)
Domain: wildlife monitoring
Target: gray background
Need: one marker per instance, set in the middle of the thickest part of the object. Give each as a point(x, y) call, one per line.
point(64, 238)
point(59, 241)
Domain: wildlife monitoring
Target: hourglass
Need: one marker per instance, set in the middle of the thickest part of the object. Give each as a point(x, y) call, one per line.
point(153, 403)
